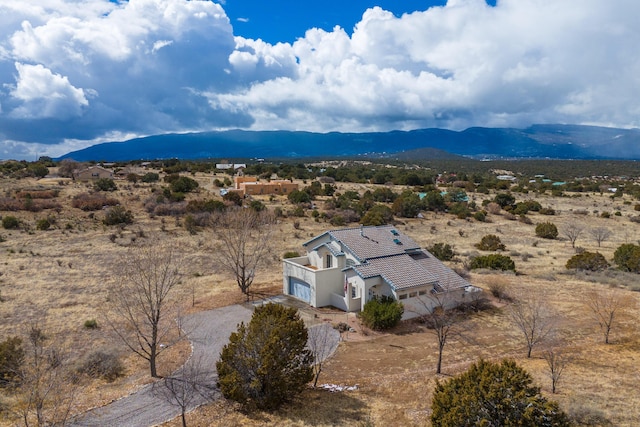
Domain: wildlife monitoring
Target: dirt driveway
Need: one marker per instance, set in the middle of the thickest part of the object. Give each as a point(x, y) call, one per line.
point(208, 332)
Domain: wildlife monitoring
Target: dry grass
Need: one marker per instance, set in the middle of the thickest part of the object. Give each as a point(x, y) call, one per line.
point(64, 273)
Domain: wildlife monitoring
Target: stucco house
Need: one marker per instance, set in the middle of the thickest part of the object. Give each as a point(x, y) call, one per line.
point(93, 173)
point(345, 268)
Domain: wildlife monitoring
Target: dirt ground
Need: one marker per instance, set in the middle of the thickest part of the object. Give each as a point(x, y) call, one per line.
point(61, 276)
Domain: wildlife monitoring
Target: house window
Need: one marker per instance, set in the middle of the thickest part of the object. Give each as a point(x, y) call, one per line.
point(329, 260)
point(412, 294)
point(354, 291)
point(422, 292)
point(402, 296)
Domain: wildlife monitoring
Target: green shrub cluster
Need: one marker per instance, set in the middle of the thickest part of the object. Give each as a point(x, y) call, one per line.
point(627, 257)
point(442, 251)
point(590, 261)
point(43, 224)
point(493, 394)
point(493, 262)
point(490, 242)
point(105, 184)
point(10, 222)
point(183, 184)
point(381, 313)
point(547, 230)
point(150, 177)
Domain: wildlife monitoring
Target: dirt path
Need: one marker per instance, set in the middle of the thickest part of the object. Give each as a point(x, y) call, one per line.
point(208, 332)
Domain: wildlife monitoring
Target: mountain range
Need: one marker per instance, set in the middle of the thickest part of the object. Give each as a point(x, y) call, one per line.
point(537, 141)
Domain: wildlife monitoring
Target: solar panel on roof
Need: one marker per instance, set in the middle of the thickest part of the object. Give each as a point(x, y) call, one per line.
point(397, 241)
point(395, 232)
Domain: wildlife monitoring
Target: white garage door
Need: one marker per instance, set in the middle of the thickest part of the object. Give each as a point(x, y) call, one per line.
point(300, 289)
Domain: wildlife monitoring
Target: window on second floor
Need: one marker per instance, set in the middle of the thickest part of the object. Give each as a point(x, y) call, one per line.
point(329, 260)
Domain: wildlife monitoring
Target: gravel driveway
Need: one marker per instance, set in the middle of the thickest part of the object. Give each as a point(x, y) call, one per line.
point(208, 332)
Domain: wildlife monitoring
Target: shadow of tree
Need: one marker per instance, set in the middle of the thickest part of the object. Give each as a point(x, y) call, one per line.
point(316, 407)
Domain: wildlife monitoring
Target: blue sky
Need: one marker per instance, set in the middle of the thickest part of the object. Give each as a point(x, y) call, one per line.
point(285, 21)
point(75, 73)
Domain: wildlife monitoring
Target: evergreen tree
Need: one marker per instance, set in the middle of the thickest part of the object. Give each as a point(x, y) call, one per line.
point(493, 394)
point(266, 362)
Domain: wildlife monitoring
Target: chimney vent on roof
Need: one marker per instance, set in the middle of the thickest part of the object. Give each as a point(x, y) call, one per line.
point(362, 230)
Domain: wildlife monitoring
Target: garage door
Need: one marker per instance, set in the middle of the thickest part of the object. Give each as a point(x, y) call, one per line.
point(300, 289)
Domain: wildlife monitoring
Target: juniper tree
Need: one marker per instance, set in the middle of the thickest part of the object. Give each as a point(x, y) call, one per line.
point(266, 362)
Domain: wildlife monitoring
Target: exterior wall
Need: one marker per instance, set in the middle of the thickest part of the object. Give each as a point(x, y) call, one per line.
point(250, 186)
point(239, 180)
point(424, 304)
point(94, 173)
point(323, 282)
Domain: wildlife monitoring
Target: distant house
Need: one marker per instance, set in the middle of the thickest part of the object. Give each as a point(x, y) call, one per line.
point(346, 268)
point(234, 166)
point(93, 173)
point(249, 186)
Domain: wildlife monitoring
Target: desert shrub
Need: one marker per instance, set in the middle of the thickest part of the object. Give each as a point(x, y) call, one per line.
point(337, 220)
point(183, 184)
point(117, 215)
point(617, 213)
point(200, 205)
point(233, 197)
point(190, 224)
point(635, 219)
point(627, 257)
point(10, 204)
point(150, 177)
point(133, 177)
point(11, 359)
point(547, 211)
point(498, 289)
point(493, 208)
point(266, 363)
point(298, 196)
point(377, 215)
point(480, 216)
point(504, 200)
point(493, 262)
point(460, 210)
point(91, 324)
point(493, 393)
point(547, 230)
point(92, 202)
point(37, 194)
point(43, 224)
point(442, 251)
point(101, 364)
point(105, 184)
point(605, 215)
point(381, 313)
point(523, 208)
point(257, 205)
point(291, 254)
point(591, 261)
point(490, 242)
point(10, 222)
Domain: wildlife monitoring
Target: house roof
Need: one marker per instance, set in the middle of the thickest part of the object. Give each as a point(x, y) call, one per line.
point(373, 242)
point(400, 271)
point(386, 252)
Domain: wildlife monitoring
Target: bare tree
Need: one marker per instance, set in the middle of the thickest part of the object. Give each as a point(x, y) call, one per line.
point(606, 306)
point(321, 344)
point(444, 320)
point(189, 386)
point(572, 231)
point(533, 318)
point(557, 360)
point(48, 389)
point(143, 302)
point(244, 243)
point(600, 234)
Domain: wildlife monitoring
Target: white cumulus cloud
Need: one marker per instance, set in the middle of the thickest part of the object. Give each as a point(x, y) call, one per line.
point(83, 71)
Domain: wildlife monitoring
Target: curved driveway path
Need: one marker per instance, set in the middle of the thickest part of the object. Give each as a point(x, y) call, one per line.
point(208, 332)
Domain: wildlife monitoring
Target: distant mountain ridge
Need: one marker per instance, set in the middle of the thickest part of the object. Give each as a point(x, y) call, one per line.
point(537, 141)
